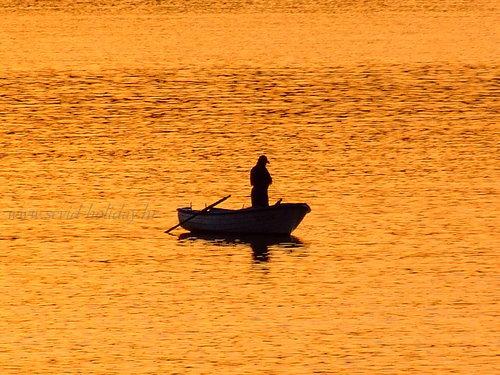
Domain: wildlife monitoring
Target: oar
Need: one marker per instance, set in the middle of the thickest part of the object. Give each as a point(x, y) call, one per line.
point(198, 213)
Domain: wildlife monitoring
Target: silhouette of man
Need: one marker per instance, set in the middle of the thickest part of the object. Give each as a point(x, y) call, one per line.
point(260, 179)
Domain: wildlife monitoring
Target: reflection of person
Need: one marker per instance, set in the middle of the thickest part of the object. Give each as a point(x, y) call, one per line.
point(260, 251)
point(260, 179)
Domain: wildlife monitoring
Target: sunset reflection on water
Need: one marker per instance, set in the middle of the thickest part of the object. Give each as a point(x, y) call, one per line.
point(382, 119)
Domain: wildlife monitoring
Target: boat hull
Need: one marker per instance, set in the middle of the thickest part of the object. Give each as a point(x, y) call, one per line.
point(278, 219)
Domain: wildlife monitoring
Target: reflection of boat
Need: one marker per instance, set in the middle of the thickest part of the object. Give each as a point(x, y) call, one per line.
point(277, 219)
point(283, 240)
point(258, 242)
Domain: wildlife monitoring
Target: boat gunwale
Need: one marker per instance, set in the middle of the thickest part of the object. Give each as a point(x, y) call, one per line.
point(249, 210)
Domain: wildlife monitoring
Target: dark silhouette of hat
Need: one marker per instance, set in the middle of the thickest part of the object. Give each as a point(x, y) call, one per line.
point(263, 160)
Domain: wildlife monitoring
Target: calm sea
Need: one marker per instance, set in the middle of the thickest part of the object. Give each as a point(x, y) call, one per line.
point(381, 115)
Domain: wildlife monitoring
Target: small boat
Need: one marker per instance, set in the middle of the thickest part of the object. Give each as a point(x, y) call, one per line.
point(278, 219)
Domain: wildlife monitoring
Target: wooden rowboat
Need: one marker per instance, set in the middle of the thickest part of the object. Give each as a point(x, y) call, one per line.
point(278, 219)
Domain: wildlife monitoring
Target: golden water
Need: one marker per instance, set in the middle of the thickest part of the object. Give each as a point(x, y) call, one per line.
point(383, 118)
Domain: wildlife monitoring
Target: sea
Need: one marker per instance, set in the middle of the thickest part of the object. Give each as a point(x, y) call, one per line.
point(382, 115)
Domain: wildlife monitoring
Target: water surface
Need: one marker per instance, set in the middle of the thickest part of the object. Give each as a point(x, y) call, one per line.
point(383, 118)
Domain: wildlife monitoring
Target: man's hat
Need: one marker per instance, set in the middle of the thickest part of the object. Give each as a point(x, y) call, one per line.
point(263, 159)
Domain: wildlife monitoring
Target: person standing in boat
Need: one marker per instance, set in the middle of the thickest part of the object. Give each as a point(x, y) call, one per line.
point(260, 179)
